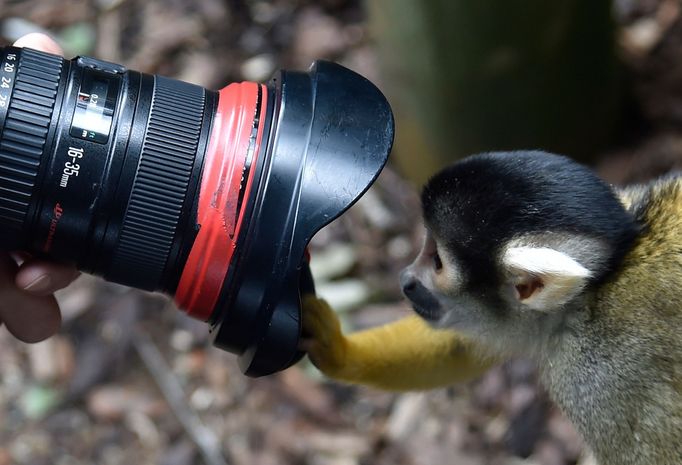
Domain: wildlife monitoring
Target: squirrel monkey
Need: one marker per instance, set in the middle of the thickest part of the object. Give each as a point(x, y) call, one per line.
point(528, 253)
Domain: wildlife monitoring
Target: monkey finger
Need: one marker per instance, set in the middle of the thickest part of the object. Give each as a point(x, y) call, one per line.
point(325, 343)
point(319, 320)
point(30, 318)
point(305, 344)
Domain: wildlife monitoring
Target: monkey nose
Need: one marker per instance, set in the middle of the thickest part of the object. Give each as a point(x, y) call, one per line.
point(407, 281)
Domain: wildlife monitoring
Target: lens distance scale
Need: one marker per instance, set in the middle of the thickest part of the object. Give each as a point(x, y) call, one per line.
point(95, 106)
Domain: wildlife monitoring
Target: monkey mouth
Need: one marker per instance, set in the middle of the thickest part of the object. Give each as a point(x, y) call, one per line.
point(424, 302)
point(429, 313)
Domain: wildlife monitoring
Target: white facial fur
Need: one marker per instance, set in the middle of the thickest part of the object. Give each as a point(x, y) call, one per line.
point(559, 277)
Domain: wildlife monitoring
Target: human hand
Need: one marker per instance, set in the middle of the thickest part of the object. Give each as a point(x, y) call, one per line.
point(27, 304)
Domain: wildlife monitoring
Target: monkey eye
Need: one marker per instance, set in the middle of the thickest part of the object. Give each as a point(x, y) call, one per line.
point(431, 250)
point(437, 263)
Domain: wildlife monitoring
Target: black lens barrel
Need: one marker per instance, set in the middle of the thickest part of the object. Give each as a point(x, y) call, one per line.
point(100, 166)
point(159, 191)
point(28, 89)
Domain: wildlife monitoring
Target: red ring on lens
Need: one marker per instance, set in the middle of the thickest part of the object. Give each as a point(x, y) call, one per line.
point(222, 186)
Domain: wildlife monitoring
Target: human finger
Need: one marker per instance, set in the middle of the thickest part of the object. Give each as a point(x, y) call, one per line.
point(40, 277)
point(30, 318)
point(39, 41)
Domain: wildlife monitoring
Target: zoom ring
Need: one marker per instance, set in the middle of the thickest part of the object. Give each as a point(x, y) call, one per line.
point(161, 182)
point(24, 135)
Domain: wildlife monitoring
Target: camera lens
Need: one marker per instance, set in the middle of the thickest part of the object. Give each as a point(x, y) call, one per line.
point(211, 196)
point(99, 166)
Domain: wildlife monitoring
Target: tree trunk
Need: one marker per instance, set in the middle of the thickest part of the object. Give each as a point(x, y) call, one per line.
point(468, 76)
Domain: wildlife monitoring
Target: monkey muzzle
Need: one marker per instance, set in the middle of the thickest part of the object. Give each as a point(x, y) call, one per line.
point(423, 301)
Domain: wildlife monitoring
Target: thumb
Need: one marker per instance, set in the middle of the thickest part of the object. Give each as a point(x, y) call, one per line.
point(39, 41)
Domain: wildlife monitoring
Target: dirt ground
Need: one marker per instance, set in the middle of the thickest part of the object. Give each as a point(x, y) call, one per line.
point(131, 380)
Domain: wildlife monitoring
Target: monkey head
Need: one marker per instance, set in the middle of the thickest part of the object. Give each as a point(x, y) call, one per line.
point(512, 238)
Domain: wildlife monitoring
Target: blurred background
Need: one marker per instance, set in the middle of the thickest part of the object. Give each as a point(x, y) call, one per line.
point(131, 380)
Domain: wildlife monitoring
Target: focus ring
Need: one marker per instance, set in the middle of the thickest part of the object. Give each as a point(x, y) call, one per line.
point(24, 134)
point(160, 186)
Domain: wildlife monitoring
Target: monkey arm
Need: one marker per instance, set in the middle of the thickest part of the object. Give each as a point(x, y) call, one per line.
point(401, 356)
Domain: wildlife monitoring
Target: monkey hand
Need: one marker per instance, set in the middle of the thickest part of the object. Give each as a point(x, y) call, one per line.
point(326, 345)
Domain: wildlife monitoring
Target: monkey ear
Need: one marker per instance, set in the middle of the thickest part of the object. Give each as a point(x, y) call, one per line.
point(543, 278)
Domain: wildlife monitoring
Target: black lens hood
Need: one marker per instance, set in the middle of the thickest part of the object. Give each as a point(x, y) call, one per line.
point(331, 133)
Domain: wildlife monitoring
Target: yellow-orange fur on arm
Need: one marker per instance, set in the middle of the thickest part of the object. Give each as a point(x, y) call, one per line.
point(401, 356)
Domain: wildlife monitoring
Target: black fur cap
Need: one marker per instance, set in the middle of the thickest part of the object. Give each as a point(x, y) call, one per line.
point(479, 203)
